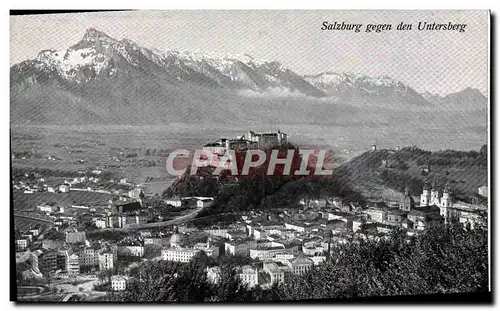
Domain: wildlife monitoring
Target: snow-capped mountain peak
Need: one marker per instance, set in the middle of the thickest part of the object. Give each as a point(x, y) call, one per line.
point(96, 52)
point(93, 35)
point(221, 60)
point(337, 78)
point(68, 62)
point(381, 88)
point(432, 96)
point(333, 82)
point(99, 56)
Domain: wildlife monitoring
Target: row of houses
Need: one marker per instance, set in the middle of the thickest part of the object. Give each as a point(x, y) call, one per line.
point(199, 202)
point(267, 273)
point(70, 261)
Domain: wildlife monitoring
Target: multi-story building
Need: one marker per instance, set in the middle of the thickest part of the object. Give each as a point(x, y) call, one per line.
point(357, 223)
point(422, 217)
point(113, 221)
point(396, 216)
point(133, 249)
point(125, 221)
point(48, 207)
point(283, 256)
point(73, 264)
point(75, 237)
point(21, 244)
point(210, 250)
point(301, 265)
point(259, 234)
point(312, 250)
point(89, 257)
point(33, 256)
point(155, 241)
point(375, 214)
point(176, 251)
point(267, 139)
point(35, 231)
point(275, 271)
point(179, 254)
point(47, 262)
point(317, 259)
point(141, 218)
point(62, 260)
point(106, 261)
point(175, 201)
point(236, 234)
point(239, 247)
point(101, 223)
point(118, 283)
point(265, 252)
point(473, 218)
point(249, 276)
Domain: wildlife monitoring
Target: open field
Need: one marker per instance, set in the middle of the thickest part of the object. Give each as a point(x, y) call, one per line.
point(25, 201)
point(22, 224)
point(139, 152)
point(347, 134)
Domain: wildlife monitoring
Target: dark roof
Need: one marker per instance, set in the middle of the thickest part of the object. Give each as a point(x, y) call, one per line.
point(427, 209)
point(432, 217)
point(340, 213)
point(339, 224)
point(129, 207)
point(397, 212)
point(415, 212)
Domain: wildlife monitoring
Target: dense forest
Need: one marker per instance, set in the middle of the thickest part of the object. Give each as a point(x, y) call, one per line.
point(443, 260)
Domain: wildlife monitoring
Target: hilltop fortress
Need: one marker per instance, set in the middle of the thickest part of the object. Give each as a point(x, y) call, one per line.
point(250, 140)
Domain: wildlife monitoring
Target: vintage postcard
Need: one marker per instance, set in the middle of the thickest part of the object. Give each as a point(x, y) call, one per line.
point(243, 156)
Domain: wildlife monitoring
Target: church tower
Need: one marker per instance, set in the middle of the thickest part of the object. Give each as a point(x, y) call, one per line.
point(446, 204)
point(446, 200)
point(408, 204)
point(434, 195)
point(425, 197)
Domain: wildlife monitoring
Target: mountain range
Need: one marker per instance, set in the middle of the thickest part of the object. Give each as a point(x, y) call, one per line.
point(104, 80)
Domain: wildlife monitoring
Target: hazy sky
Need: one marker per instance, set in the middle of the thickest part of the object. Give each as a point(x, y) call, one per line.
point(438, 61)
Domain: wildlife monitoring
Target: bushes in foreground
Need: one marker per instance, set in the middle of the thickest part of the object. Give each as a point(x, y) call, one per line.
point(442, 260)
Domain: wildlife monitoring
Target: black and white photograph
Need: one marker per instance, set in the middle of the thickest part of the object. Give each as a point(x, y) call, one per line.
point(242, 156)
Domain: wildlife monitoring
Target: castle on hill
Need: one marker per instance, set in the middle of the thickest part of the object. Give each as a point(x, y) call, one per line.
point(250, 140)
